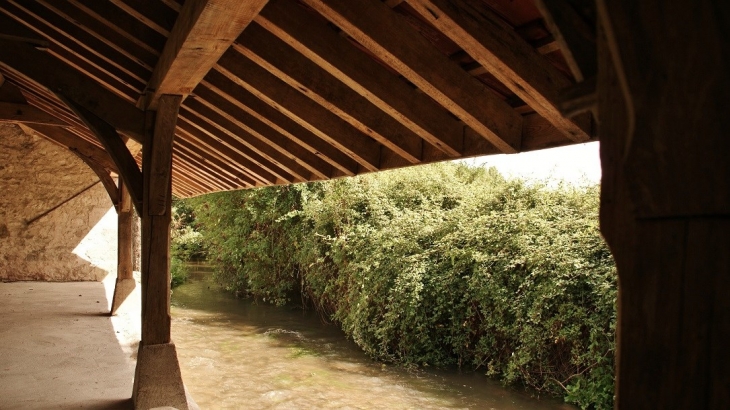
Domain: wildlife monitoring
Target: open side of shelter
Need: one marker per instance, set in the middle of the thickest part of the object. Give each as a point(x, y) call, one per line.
point(214, 95)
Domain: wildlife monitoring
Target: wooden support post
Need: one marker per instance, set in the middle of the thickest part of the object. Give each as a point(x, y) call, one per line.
point(158, 382)
point(665, 199)
point(125, 280)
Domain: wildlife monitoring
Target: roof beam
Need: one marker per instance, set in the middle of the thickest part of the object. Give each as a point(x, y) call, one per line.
point(114, 145)
point(376, 27)
point(498, 48)
point(203, 31)
point(289, 66)
point(14, 112)
point(336, 55)
point(47, 71)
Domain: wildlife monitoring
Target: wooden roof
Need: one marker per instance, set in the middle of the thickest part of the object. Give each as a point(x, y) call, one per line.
point(286, 91)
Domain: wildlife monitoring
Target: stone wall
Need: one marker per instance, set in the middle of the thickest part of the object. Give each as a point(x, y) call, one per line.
point(76, 241)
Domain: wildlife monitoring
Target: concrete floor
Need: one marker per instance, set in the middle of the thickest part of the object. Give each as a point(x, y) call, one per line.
point(59, 349)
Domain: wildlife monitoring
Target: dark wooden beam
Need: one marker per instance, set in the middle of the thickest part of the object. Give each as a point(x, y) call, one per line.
point(376, 27)
point(71, 141)
point(106, 179)
point(335, 54)
point(498, 48)
point(59, 78)
point(161, 160)
point(575, 37)
point(301, 109)
point(203, 31)
point(13, 112)
point(116, 148)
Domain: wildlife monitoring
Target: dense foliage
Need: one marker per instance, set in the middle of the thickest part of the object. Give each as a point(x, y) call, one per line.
point(438, 265)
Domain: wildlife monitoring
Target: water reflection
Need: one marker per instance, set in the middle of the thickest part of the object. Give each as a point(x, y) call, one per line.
point(235, 354)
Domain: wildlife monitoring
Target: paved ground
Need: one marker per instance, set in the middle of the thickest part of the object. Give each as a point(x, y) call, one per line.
point(59, 349)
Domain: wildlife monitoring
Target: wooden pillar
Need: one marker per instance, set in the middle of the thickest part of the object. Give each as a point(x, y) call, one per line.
point(158, 382)
point(125, 283)
point(665, 201)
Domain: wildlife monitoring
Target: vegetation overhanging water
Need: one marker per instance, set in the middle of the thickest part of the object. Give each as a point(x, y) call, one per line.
point(441, 265)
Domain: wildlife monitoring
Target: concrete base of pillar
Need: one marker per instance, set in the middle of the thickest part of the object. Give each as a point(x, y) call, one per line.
point(122, 290)
point(157, 380)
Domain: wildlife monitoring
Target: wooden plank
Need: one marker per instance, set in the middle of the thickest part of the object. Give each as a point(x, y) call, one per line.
point(122, 23)
point(267, 135)
point(238, 141)
point(74, 143)
point(72, 54)
point(12, 112)
point(116, 149)
point(98, 30)
point(335, 54)
point(267, 114)
point(212, 138)
point(301, 109)
point(89, 44)
point(203, 170)
point(161, 159)
point(198, 39)
point(153, 14)
point(385, 34)
point(576, 39)
point(212, 160)
point(506, 56)
point(124, 234)
point(285, 63)
point(54, 75)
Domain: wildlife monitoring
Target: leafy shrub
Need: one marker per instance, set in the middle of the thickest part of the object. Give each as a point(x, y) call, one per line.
point(178, 272)
point(443, 265)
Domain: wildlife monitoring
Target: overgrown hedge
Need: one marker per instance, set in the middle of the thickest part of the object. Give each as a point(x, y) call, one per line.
point(438, 265)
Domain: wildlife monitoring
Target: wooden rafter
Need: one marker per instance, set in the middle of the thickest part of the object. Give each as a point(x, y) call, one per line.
point(54, 75)
point(335, 54)
point(377, 28)
point(198, 39)
point(505, 54)
point(14, 112)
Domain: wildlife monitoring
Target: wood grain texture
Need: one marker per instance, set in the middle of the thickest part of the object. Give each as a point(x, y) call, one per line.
point(59, 78)
point(198, 39)
point(506, 56)
point(115, 147)
point(13, 112)
point(336, 55)
point(160, 165)
point(391, 39)
point(124, 233)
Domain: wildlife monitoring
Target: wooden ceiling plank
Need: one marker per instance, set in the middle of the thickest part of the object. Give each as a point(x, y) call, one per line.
point(190, 168)
point(58, 77)
point(181, 187)
point(233, 153)
point(497, 47)
point(25, 113)
point(335, 54)
point(208, 119)
point(122, 23)
point(204, 156)
point(93, 46)
point(302, 110)
point(375, 26)
point(263, 132)
point(201, 145)
point(153, 14)
point(189, 173)
point(72, 54)
point(267, 114)
point(198, 39)
point(100, 31)
point(270, 53)
point(203, 167)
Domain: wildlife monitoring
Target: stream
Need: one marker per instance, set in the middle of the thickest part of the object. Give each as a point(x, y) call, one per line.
point(236, 354)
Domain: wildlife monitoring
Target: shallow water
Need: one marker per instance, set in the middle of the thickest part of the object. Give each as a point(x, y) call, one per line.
point(235, 354)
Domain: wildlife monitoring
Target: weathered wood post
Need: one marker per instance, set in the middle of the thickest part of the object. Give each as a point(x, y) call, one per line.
point(157, 381)
point(125, 283)
point(665, 200)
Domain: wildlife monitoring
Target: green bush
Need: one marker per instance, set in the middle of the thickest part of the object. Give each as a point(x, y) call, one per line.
point(178, 272)
point(443, 265)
